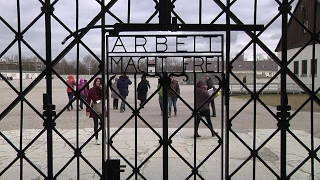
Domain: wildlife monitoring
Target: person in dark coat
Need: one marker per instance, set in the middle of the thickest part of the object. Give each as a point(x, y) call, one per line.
point(142, 90)
point(209, 83)
point(123, 87)
point(201, 96)
point(95, 96)
point(114, 96)
point(172, 97)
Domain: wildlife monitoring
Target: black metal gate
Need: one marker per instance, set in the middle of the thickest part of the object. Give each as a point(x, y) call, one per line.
point(120, 58)
point(254, 140)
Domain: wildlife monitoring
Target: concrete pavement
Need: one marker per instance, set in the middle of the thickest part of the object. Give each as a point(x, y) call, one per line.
point(147, 141)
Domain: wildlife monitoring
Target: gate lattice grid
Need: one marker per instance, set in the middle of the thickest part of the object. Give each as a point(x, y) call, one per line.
point(267, 137)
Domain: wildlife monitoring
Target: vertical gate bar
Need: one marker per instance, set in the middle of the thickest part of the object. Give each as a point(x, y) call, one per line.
point(20, 89)
point(254, 92)
point(165, 12)
point(103, 97)
point(200, 14)
point(223, 93)
point(78, 117)
point(227, 82)
point(314, 30)
point(284, 99)
point(108, 109)
point(135, 128)
point(129, 11)
point(194, 125)
point(48, 11)
point(165, 127)
point(254, 160)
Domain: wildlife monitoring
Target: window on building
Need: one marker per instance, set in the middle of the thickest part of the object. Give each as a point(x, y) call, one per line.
point(240, 66)
point(314, 67)
point(264, 66)
point(304, 68)
point(296, 67)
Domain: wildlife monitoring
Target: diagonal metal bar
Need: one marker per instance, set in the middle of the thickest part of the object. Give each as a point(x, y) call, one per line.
point(22, 95)
point(35, 166)
point(84, 32)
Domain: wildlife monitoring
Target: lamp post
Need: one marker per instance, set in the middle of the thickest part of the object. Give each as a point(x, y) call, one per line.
point(89, 69)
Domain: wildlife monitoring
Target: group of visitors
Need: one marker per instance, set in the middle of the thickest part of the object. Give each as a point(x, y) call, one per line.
point(91, 95)
point(82, 86)
point(120, 86)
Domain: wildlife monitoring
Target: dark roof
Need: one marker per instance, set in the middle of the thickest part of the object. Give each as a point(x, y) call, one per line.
point(304, 12)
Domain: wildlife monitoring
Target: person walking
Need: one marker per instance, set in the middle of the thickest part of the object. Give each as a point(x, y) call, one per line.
point(172, 97)
point(142, 90)
point(70, 90)
point(209, 83)
point(84, 92)
point(160, 93)
point(201, 96)
point(114, 96)
point(123, 86)
point(94, 97)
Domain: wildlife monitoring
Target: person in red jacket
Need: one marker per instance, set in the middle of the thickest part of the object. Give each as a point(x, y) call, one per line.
point(70, 91)
point(95, 96)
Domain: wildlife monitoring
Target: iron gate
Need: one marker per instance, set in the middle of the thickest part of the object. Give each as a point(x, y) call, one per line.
point(261, 133)
point(121, 57)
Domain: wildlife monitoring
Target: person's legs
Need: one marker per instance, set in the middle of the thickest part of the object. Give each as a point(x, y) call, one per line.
point(123, 104)
point(174, 102)
point(95, 126)
point(197, 126)
point(81, 102)
point(116, 103)
point(213, 108)
point(70, 97)
point(169, 106)
point(206, 114)
point(161, 103)
point(144, 99)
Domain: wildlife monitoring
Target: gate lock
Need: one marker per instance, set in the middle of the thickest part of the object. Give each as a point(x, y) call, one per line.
point(114, 168)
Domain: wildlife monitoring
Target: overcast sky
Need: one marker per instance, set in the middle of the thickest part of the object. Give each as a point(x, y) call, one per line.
point(141, 10)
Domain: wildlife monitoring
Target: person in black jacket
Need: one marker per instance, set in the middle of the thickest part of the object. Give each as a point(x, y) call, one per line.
point(142, 90)
point(209, 83)
point(123, 87)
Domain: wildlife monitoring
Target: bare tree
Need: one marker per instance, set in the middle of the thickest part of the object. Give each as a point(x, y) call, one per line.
point(91, 63)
